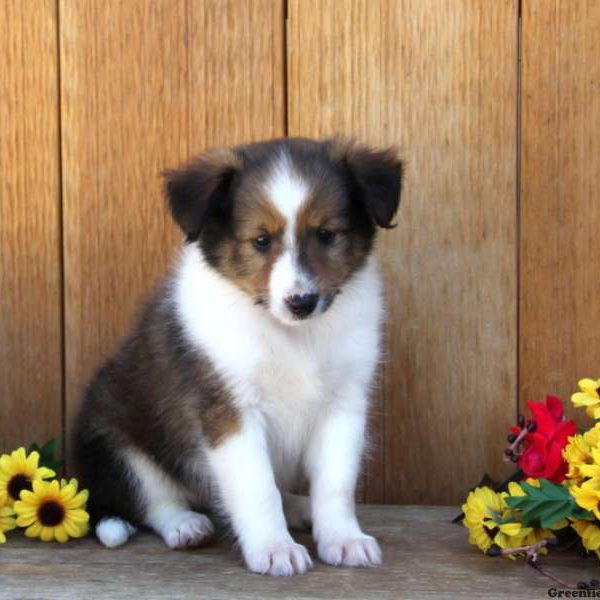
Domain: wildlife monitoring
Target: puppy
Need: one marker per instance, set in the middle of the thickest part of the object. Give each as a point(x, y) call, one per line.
point(246, 378)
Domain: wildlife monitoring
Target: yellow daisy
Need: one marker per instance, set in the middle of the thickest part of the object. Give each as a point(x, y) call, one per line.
point(589, 534)
point(587, 495)
point(576, 453)
point(592, 470)
point(489, 521)
point(588, 397)
point(592, 436)
point(7, 518)
point(53, 511)
point(18, 471)
point(579, 455)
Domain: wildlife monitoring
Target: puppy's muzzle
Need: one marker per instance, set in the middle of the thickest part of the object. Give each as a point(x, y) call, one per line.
point(302, 305)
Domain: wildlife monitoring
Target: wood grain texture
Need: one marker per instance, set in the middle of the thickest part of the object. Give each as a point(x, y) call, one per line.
point(439, 80)
point(425, 556)
point(560, 199)
point(30, 281)
point(145, 85)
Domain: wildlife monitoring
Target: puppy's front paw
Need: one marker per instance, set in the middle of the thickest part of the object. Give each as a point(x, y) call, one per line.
point(187, 529)
point(357, 551)
point(278, 559)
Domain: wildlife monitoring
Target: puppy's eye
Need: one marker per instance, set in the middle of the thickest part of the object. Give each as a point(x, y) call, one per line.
point(325, 236)
point(262, 242)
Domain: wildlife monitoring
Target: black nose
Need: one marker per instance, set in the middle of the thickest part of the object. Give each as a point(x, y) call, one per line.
point(302, 305)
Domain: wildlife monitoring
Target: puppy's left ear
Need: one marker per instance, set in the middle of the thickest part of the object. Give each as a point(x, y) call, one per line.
point(201, 190)
point(376, 178)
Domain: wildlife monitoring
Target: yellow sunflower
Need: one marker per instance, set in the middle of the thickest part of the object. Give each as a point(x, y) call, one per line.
point(7, 518)
point(53, 511)
point(589, 534)
point(588, 397)
point(18, 471)
point(490, 521)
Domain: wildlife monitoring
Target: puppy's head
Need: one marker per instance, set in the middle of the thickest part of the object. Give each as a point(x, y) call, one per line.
point(288, 221)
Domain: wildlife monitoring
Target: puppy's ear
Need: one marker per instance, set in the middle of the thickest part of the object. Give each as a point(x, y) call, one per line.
point(201, 189)
point(375, 177)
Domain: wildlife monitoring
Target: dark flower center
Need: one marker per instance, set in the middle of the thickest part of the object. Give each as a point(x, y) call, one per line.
point(17, 484)
point(51, 513)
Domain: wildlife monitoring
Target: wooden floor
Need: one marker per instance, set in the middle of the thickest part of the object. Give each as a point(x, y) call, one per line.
point(425, 557)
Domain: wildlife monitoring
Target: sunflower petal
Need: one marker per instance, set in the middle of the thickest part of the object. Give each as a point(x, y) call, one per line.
point(34, 530)
point(67, 492)
point(6, 465)
point(60, 534)
point(31, 462)
point(79, 500)
point(25, 521)
point(47, 534)
point(72, 529)
point(27, 497)
point(78, 515)
point(54, 488)
point(45, 473)
point(20, 456)
point(39, 487)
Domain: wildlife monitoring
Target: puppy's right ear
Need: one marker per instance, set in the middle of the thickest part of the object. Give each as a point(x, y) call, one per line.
point(201, 189)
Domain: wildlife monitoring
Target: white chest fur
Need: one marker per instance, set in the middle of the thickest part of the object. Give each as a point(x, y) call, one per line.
point(289, 374)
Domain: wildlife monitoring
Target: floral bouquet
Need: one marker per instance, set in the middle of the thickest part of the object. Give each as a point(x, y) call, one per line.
point(31, 497)
point(554, 496)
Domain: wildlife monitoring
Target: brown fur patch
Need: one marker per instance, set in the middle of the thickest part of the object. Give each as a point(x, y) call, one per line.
point(158, 395)
point(220, 421)
point(334, 262)
point(253, 215)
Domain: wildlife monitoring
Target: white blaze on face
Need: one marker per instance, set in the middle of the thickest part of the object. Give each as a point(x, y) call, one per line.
point(288, 192)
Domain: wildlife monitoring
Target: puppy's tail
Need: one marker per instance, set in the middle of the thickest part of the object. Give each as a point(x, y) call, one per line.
point(114, 531)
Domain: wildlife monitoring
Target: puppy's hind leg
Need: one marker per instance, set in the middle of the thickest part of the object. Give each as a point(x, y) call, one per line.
point(166, 510)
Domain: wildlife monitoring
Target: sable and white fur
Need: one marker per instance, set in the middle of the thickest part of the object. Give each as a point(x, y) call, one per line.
point(226, 400)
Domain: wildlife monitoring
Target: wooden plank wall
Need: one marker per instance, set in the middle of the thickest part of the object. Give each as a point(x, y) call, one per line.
point(145, 85)
point(402, 73)
point(491, 271)
point(30, 267)
point(560, 197)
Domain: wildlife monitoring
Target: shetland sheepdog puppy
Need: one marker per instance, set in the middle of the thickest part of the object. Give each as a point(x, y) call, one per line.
point(246, 379)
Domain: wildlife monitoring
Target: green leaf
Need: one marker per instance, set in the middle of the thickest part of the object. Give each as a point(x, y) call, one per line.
point(553, 490)
point(581, 513)
point(545, 506)
point(49, 448)
point(552, 516)
point(33, 448)
point(47, 455)
point(499, 520)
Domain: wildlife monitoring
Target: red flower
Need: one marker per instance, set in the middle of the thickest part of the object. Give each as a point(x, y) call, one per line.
point(542, 457)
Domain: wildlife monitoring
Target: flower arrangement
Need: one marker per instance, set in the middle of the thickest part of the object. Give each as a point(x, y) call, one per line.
point(553, 499)
point(31, 497)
